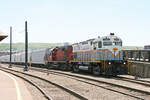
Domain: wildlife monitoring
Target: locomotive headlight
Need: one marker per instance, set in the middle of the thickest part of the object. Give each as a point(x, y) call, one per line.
point(124, 63)
point(109, 63)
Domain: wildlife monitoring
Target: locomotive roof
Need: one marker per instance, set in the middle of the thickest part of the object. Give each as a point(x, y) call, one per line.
point(109, 37)
point(63, 46)
point(84, 41)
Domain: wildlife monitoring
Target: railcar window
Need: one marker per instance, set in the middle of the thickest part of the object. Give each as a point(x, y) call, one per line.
point(91, 42)
point(99, 44)
point(106, 39)
point(94, 45)
point(85, 42)
point(107, 43)
point(117, 43)
point(116, 39)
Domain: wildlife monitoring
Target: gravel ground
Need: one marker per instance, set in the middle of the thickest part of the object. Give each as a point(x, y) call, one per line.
point(133, 77)
point(54, 92)
point(119, 82)
point(35, 93)
point(90, 91)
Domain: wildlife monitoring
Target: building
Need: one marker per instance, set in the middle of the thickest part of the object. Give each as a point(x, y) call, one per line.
point(2, 36)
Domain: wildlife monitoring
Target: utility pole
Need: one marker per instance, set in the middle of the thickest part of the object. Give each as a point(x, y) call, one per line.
point(26, 47)
point(10, 66)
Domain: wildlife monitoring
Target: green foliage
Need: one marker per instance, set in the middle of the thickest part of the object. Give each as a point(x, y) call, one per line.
point(32, 46)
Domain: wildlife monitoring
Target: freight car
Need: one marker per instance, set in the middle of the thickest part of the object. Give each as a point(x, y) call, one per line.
point(138, 55)
point(147, 47)
point(35, 57)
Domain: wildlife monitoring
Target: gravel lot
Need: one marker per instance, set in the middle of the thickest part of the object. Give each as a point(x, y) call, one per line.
point(91, 92)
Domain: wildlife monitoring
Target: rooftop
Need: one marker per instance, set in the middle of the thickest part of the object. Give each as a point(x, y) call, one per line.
point(2, 36)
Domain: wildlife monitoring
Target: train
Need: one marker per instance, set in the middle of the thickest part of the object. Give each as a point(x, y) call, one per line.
point(147, 47)
point(100, 56)
point(138, 55)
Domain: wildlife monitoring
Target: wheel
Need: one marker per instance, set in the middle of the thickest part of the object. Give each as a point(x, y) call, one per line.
point(64, 67)
point(90, 69)
point(75, 68)
point(48, 66)
point(96, 70)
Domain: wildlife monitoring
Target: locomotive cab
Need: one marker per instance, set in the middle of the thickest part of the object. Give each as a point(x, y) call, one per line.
point(111, 43)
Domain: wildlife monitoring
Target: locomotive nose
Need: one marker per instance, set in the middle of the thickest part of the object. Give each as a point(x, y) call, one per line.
point(115, 49)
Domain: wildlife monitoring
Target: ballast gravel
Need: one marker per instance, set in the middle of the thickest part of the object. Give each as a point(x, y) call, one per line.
point(87, 90)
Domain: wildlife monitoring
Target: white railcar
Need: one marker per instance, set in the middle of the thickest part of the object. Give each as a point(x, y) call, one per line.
point(38, 57)
point(34, 57)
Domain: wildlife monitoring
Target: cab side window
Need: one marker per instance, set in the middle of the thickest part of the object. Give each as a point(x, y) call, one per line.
point(94, 45)
point(99, 44)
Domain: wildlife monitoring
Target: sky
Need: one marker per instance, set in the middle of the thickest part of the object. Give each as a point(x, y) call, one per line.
point(53, 21)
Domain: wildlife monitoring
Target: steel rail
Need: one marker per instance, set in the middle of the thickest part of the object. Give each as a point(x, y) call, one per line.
point(116, 85)
point(94, 80)
point(142, 82)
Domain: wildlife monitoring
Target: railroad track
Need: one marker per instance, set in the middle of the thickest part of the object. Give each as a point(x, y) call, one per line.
point(138, 94)
point(76, 77)
point(141, 82)
point(126, 78)
point(45, 86)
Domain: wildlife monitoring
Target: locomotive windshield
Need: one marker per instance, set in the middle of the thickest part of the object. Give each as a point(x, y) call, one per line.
point(112, 43)
point(107, 43)
point(99, 44)
point(117, 43)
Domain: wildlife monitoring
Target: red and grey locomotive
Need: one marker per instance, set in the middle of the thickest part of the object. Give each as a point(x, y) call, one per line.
point(102, 55)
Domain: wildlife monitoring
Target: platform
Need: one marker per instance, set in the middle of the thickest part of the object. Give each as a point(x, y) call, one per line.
point(13, 88)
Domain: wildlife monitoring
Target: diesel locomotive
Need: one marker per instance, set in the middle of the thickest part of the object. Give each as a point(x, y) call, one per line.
point(102, 55)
